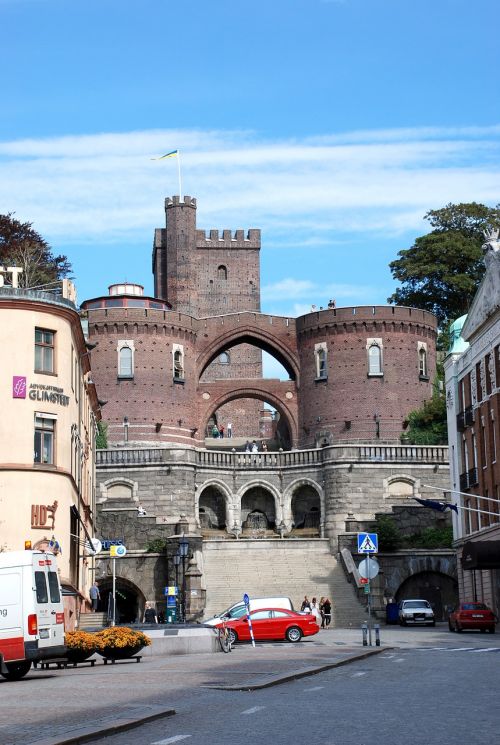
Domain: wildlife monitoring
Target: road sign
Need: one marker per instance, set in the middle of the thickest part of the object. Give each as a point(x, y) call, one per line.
point(369, 568)
point(363, 580)
point(117, 552)
point(93, 547)
point(246, 599)
point(367, 543)
point(171, 590)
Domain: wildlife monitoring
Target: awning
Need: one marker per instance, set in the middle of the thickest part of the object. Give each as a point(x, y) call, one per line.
point(481, 555)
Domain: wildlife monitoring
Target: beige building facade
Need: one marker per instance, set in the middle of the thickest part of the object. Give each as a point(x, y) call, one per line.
point(47, 434)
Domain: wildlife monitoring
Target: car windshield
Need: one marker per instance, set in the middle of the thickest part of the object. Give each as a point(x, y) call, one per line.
point(416, 604)
point(473, 606)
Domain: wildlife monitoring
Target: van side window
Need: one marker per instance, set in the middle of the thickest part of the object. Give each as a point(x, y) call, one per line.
point(41, 588)
point(55, 596)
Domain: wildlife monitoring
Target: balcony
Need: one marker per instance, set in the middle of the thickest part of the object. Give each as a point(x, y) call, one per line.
point(473, 477)
point(464, 481)
point(469, 479)
point(461, 421)
point(469, 416)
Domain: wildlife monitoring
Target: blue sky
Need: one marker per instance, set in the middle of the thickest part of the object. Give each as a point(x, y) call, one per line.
point(332, 125)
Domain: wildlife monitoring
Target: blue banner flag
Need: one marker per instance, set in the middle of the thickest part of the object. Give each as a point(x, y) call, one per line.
point(435, 505)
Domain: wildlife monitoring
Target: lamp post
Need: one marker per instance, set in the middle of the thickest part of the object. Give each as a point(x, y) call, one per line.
point(177, 561)
point(183, 553)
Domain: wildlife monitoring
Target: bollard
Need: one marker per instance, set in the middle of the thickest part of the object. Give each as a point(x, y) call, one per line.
point(364, 629)
point(377, 634)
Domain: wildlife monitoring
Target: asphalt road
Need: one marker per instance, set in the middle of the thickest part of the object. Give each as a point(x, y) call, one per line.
point(417, 696)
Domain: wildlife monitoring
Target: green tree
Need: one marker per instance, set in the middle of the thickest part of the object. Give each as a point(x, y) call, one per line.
point(428, 425)
point(21, 245)
point(442, 270)
point(101, 441)
point(389, 537)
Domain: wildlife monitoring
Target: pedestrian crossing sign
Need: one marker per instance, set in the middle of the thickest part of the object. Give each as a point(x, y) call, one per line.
point(367, 543)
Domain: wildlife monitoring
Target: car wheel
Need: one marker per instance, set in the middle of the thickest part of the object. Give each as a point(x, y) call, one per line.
point(293, 634)
point(458, 628)
point(450, 626)
point(483, 631)
point(432, 623)
point(402, 622)
point(232, 636)
point(16, 670)
point(491, 629)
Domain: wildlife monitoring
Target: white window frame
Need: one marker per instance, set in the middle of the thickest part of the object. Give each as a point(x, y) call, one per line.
point(125, 344)
point(178, 349)
point(321, 360)
point(371, 344)
point(45, 424)
point(423, 370)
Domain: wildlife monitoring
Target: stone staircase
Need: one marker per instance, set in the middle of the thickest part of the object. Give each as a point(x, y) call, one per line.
point(290, 567)
point(92, 621)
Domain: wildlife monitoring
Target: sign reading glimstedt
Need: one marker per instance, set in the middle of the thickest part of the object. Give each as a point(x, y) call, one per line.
point(367, 543)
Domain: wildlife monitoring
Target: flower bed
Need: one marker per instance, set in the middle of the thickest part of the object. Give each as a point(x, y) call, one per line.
point(119, 642)
point(80, 645)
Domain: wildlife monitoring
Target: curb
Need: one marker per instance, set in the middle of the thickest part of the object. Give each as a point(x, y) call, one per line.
point(277, 680)
point(85, 734)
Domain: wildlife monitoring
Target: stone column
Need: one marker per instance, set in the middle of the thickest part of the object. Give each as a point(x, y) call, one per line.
point(195, 596)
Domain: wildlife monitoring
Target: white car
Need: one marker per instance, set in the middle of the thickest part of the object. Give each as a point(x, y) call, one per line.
point(416, 611)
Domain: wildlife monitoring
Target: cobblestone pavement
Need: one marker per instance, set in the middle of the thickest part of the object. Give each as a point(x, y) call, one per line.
point(54, 705)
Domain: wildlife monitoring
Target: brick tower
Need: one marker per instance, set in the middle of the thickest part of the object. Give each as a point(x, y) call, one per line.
point(209, 275)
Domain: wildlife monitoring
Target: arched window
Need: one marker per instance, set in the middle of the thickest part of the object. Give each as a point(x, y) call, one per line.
point(374, 360)
point(125, 360)
point(224, 358)
point(222, 272)
point(178, 353)
point(422, 360)
point(320, 353)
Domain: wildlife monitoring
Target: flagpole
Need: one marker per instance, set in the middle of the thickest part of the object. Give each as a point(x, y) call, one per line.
point(179, 173)
point(462, 493)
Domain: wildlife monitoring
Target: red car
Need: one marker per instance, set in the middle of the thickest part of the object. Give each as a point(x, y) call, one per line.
point(472, 616)
point(272, 623)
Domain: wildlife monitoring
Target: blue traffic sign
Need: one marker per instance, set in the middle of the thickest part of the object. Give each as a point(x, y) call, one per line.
point(367, 543)
point(246, 599)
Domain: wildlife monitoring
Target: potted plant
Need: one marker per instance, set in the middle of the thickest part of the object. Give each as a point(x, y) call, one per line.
point(120, 642)
point(80, 645)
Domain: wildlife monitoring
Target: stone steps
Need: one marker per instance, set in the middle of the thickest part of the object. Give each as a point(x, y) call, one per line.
point(92, 621)
point(278, 568)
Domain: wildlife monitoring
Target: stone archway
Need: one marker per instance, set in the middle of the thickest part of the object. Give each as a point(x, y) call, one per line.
point(306, 512)
point(439, 589)
point(212, 511)
point(260, 511)
point(130, 601)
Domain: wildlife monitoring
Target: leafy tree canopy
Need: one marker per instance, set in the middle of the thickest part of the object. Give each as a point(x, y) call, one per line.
point(21, 245)
point(428, 425)
point(442, 270)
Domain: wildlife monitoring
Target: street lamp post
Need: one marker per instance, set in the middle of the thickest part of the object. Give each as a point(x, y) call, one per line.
point(183, 552)
point(177, 561)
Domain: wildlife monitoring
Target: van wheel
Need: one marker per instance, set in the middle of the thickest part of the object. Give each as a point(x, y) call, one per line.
point(16, 670)
point(293, 634)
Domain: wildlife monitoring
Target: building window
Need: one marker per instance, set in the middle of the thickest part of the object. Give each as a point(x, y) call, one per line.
point(375, 358)
point(422, 361)
point(221, 272)
point(178, 359)
point(44, 439)
point(44, 350)
point(493, 437)
point(321, 360)
point(125, 368)
point(224, 358)
point(126, 353)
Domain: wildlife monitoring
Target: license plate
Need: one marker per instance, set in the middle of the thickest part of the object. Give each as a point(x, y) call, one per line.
point(477, 615)
point(44, 633)
point(419, 616)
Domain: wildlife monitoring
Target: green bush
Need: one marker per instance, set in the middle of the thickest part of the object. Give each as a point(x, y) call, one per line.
point(430, 538)
point(389, 537)
point(156, 546)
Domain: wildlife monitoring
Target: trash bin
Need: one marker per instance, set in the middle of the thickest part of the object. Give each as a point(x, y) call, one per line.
point(392, 613)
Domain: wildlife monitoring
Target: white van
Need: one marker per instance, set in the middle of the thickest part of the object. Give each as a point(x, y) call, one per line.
point(31, 611)
point(239, 609)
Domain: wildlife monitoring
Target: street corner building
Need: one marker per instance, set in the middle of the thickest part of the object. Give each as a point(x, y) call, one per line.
point(267, 479)
point(472, 374)
point(47, 433)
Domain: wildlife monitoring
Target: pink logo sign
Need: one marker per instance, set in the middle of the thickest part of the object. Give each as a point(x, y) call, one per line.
point(18, 386)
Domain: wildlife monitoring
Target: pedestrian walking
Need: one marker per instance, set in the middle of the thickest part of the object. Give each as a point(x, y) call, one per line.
point(306, 605)
point(95, 596)
point(229, 429)
point(322, 611)
point(215, 432)
point(315, 611)
point(327, 612)
point(150, 614)
point(221, 431)
point(248, 447)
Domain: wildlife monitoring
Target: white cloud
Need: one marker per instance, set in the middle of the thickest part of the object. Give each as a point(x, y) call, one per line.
point(104, 188)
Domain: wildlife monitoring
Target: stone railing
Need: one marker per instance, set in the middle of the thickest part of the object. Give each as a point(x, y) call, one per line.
point(432, 454)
